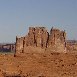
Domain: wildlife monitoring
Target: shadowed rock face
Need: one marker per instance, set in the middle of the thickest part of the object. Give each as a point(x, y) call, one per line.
point(39, 37)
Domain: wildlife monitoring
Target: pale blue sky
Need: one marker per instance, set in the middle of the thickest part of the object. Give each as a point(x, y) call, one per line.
point(17, 15)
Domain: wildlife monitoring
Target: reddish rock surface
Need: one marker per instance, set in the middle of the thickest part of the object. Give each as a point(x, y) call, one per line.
point(38, 37)
point(41, 54)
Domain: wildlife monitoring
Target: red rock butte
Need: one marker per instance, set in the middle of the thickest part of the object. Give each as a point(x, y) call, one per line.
point(41, 54)
point(39, 39)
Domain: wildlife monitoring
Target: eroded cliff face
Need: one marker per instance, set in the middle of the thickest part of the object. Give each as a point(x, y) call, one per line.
point(38, 39)
point(39, 64)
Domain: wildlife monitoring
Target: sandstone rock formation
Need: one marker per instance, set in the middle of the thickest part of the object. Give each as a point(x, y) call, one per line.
point(71, 45)
point(47, 64)
point(38, 37)
point(7, 47)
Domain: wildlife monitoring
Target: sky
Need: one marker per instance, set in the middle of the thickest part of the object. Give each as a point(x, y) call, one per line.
point(16, 16)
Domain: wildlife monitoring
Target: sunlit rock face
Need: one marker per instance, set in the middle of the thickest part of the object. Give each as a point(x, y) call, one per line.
point(39, 37)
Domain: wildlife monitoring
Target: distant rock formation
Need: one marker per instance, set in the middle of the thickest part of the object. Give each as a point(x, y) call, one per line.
point(7, 47)
point(71, 45)
point(39, 37)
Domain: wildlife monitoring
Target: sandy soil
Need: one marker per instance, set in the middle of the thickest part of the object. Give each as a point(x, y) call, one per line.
point(39, 65)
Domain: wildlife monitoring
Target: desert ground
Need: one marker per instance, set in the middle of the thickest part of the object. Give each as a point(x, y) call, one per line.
point(52, 64)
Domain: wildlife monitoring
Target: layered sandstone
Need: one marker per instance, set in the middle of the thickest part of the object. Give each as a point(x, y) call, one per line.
point(47, 64)
point(39, 37)
point(71, 45)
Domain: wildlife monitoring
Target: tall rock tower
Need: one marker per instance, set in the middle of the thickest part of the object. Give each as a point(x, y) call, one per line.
point(37, 37)
point(57, 39)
